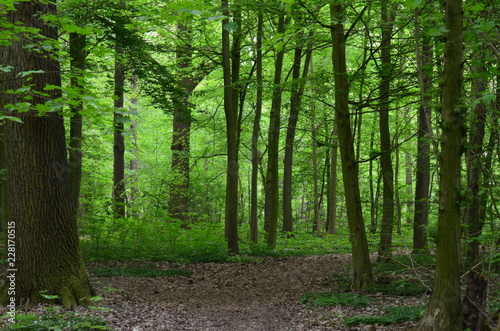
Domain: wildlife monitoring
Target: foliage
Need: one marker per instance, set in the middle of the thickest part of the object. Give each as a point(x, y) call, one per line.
point(54, 319)
point(336, 299)
point(140, 272)
point(397, 314)
point(400, 287)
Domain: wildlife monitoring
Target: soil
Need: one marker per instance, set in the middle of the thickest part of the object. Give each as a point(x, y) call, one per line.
point(261, 296)
point(236, 297)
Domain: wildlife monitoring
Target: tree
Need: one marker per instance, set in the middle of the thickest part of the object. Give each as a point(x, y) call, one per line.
point(254, 222)
point(77, 52)
point(387, 223)
point(272, 180)
point(295, 105)
point(423, 51)
point(229, 64)
point(362, 272)
point(48, 255)
point(444, 308)
point(179, 190)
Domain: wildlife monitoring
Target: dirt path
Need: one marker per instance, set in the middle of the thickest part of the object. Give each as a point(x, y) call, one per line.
point(232, 297)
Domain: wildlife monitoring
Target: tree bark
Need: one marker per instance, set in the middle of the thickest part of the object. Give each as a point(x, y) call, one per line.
point(332, 184)
point(118, 138)
point(272, 179)
point(424, 137)
point(444, 309)
point(77, 52)
point(254, 231)
point(42, 217)
point(362, 272)
point(179, 188)
point(231, 112)
point(295, 105)
point(387, 223)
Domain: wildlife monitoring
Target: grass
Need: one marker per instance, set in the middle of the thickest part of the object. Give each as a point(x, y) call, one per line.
point(336, 299)
point(393, 315)
point(140, 272)
point(53, 319)
point(400, 287)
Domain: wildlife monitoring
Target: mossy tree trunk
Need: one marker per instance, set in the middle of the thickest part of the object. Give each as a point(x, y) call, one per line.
point(48, 255)
point(444, 311)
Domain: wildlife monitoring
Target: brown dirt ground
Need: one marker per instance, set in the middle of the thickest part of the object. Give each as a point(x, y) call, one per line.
point(234, 297)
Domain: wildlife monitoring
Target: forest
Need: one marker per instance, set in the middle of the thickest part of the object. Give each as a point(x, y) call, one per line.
point(250, 165)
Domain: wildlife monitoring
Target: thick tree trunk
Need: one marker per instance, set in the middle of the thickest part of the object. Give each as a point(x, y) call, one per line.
point(444, 309)
point(362, 271)
point(272, 178)
point(77, 52)
point(41, 216)
point(387, 223)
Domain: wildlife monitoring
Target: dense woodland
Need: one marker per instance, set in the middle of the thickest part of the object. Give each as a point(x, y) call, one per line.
point(214, 131)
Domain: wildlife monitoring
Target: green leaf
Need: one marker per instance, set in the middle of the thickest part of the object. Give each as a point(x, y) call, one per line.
point(11, 118)
point(23, 74)
point(6, 69)
point(231, 27)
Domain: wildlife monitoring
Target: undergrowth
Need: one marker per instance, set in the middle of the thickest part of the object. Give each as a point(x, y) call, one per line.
point(392, 315)
point(336, 299)
point(54, 319)
point(140, 272)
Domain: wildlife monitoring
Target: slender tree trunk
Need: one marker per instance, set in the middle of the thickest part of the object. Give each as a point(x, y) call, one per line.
point(134, 162)
point(118, 138)
point(317, 216)
point(179, 187)
point(362, 272)
point(231, 211)
point(424, 137)
point(42, 218)
point(254, 222)
point(272, 178)
point(77, 52)
point(444, 309)
point(387, 223)
point(332, 184)
point(295, 105)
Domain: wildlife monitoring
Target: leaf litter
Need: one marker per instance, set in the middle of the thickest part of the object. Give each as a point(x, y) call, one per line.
point(235, 297)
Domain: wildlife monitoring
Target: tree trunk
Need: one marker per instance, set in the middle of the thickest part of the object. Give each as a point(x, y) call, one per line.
point(179, 187)
point(118, 138)
point(254, 222)
point(362, 272)
point(272, 179)
point(77, 52)
point(42, 219)
point(231, 111)
point(134, 162)
point(332, 184)
point(295, 105)
point(387, 223)
point(424, 136)
point(444, 309)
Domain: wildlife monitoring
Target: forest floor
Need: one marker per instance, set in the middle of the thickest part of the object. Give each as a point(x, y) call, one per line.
point(262, 296)
point(236, 297)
